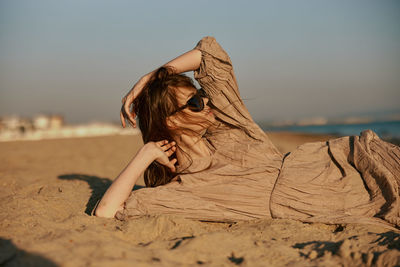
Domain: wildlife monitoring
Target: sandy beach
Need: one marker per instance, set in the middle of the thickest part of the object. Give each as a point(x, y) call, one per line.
point(49, 188)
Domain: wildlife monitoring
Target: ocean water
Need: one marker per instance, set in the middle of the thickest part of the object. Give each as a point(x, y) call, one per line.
point(385, 130)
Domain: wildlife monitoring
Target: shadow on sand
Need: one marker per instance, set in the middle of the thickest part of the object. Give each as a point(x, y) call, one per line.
point(97, 184)
point(12, 256)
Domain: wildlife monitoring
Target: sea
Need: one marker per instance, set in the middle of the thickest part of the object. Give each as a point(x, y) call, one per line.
point(385, 129)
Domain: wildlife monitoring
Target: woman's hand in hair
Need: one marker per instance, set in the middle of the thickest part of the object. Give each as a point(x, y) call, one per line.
point(126, 112)
point(188, 61)
point(162, 151)
point(127, 109)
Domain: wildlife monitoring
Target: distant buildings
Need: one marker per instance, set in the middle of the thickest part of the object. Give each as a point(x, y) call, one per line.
point(13, 128)
point(43, 122)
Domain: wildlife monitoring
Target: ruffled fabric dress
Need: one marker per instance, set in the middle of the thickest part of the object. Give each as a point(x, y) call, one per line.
point(344, 180)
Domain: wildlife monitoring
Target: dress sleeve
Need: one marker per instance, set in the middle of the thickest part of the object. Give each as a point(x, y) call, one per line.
point(216, 71)
point(173, 199)
point(216, 76)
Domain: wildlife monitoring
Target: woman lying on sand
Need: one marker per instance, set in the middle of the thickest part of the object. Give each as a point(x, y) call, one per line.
point(205, 158)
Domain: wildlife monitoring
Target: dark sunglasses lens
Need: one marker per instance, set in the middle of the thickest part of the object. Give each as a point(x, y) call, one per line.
point(196, 103)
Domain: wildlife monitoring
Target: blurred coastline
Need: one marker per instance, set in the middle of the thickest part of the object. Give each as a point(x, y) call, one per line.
point(39, 127)
point(386, 130)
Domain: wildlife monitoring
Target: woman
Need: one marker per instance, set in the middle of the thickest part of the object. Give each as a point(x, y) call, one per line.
point(205, 158)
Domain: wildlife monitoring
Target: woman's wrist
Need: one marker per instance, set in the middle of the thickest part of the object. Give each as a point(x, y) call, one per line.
point(145, 78)
point(149, 152)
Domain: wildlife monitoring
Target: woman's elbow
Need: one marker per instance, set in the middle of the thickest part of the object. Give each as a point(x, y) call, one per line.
point(105, 212)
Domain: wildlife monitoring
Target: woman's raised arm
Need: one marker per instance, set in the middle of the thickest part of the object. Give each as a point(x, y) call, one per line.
point(188, 61)
point(115, 196)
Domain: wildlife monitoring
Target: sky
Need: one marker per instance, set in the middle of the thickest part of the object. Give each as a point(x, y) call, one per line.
point(292, 59)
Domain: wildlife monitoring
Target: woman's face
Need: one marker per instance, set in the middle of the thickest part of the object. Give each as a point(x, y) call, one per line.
point(188, 119)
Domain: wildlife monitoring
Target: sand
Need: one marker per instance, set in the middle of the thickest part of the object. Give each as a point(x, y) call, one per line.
point(49, 187)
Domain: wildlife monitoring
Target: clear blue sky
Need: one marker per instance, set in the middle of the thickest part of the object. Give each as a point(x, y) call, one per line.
point(293, 59)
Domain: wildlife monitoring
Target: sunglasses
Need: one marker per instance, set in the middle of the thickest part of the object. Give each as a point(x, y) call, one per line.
point(195, 103)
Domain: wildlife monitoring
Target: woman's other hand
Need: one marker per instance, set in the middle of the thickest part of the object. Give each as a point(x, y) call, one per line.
point(162, 151)
point(127, 109)
point(128, 113)
point(122, 186)
point(188, 61)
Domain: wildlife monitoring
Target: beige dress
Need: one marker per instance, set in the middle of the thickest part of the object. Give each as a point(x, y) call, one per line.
point(246, 177)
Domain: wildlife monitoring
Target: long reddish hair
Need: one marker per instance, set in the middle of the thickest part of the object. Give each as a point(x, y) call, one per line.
point(155, 103)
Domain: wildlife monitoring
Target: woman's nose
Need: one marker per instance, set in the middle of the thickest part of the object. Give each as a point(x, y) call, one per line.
point(205, 99)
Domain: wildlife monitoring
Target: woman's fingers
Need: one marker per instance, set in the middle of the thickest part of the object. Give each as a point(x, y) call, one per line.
point(171, 165)
point(128, 112)
point(122, 117)
point(122, 112)
point(170, 151)
point(162, 142)
point(167, 146)
point(166, 150)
